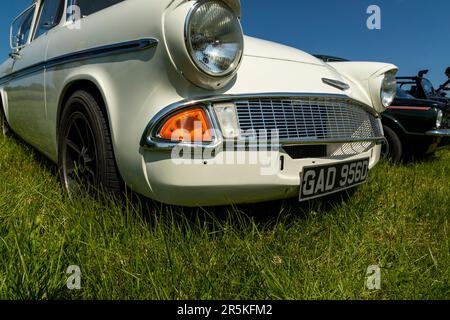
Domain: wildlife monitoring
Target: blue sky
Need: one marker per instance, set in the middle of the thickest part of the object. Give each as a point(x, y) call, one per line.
point(415, 34)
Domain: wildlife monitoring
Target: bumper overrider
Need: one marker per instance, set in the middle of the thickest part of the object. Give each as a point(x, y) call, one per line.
point(256, 147)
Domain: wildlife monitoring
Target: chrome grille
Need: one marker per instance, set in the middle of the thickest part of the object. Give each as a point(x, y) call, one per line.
point(308, 119)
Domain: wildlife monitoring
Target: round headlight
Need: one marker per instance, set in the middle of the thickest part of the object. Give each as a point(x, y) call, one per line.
point(440, 116)
point(214, 38)
point(388, 89)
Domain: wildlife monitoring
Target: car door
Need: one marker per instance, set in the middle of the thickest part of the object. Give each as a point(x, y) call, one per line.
point(26, 90)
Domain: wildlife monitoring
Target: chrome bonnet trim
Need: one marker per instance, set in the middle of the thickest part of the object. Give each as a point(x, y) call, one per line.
point(336, 83)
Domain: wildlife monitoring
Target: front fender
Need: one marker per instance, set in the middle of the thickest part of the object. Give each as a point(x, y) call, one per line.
point(368, 76)
point(392, 122)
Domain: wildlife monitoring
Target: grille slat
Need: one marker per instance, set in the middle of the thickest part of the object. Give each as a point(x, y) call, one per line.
point(308, 118)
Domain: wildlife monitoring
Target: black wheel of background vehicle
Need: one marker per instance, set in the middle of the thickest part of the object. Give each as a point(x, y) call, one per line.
point(393, 149)
point(4, 126)
point(86, 158)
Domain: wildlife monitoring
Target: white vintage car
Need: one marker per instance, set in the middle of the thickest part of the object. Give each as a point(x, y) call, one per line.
point(169, 98)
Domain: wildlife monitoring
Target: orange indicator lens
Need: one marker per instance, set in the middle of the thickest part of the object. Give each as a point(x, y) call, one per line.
point(187, 126)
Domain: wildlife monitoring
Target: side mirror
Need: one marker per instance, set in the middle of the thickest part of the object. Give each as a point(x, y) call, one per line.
point(15, 56)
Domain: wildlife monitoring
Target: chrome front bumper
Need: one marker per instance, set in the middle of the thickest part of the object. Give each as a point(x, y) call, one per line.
point(439, 133)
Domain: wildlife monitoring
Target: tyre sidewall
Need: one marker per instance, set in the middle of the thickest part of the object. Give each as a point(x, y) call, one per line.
point(395, 147)
point(4, 127)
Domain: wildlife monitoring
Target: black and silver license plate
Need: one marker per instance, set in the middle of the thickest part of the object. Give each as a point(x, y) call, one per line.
point(319, 181)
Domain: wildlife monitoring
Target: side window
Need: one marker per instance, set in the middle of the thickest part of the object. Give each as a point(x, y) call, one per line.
point(21, 28)
point(88, 7)
point(50, 16)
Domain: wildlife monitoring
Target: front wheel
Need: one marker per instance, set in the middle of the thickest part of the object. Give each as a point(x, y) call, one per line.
point(4, 126)
point(393, 149)
point(86, 159)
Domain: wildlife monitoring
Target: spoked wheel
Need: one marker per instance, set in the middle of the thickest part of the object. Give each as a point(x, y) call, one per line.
point(80, 156)
point(86, 158)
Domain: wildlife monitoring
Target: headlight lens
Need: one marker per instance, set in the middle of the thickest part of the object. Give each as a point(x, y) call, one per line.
point(214, 38)
point(439, 118)
point(388, 89)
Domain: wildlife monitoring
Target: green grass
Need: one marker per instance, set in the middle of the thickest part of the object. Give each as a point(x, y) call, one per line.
point(281, 250)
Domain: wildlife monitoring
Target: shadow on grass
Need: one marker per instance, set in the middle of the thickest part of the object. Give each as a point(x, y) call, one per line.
point(415, 158)
point(266, 214)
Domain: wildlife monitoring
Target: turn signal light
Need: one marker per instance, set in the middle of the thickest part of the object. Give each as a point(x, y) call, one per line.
point(187, 126)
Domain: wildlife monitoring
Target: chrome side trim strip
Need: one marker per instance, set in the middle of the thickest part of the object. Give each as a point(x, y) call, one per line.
point(117, 48)
point(97, 52)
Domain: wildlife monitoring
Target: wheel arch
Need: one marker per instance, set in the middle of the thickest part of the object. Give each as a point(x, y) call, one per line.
point(86, 83)
point(395, 125)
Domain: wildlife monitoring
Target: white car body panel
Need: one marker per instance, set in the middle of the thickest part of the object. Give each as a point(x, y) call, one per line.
point(138, 84)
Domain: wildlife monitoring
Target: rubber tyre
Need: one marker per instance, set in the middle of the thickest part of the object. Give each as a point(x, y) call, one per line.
point(5, 130)
point(87, 106)
point(394, 148)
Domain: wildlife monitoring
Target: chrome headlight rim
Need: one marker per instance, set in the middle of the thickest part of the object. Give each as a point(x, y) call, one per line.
point(388, 88)
point(232, 70)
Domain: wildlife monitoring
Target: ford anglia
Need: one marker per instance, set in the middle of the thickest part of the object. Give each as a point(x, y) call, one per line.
point(171, 99)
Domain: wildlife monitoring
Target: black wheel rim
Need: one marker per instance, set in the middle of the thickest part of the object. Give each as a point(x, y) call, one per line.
point(80, 166)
